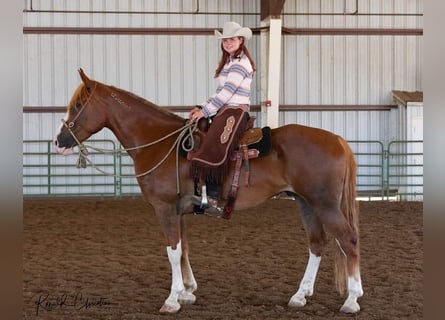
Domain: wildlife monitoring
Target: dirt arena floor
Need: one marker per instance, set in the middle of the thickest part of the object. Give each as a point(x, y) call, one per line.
point(105, 259)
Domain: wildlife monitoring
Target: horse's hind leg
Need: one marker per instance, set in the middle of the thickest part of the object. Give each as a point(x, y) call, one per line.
point(355, 289)
point(317, 241)
point(348, 248)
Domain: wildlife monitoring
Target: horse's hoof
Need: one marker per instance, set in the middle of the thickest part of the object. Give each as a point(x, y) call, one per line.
point(187, 298)
point(297, 301)
point(170, 308)
point(350, 306)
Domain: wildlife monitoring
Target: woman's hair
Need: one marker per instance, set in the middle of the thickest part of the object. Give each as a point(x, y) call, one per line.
point(225, 57)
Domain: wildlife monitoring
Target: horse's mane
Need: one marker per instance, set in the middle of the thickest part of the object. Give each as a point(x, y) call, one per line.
point(146, 103)
point(82, 94)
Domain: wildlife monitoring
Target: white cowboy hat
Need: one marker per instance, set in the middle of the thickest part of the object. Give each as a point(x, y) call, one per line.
point(233, 29)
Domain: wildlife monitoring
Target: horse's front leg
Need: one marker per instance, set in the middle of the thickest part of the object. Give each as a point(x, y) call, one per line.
point(171, 227)
point(171, 305)
point(187, 296)
point(183, 281)
point(190, 285)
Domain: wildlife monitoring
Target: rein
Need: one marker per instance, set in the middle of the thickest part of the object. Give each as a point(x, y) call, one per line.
point(185, 132)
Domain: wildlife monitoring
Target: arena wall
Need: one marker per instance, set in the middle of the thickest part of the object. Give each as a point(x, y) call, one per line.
point(341, 60)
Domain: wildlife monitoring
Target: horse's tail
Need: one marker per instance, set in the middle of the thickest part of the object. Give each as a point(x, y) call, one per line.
point(350, 210)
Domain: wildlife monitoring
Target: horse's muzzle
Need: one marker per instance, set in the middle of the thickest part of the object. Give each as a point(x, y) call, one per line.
point(62, 148)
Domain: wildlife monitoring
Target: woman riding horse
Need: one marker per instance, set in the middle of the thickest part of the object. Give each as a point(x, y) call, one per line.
point(316, 166)
point(231, 101)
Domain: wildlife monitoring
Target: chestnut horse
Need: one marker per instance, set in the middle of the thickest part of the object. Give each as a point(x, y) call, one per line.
point(316, 166)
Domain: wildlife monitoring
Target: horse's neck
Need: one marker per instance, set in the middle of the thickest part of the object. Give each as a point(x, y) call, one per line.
point(136, 122)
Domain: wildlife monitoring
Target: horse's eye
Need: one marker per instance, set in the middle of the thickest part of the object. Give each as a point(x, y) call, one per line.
point(78, 105)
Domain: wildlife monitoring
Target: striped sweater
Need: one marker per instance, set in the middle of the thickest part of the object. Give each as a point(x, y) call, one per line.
point(234, 84)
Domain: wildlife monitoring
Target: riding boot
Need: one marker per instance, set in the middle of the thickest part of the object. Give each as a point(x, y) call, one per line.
point(209, 200)
point(196, 200)
point(213, 195)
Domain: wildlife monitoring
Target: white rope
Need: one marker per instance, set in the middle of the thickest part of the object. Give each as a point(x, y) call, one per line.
point(187, 127)
point(185, 132)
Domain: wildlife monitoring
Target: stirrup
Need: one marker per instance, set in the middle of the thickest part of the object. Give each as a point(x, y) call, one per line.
point(202, 200)
point(210, 206)
point(214, 211)
point(197, 201)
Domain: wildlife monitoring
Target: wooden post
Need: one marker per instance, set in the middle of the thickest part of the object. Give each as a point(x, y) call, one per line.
point(270, 72)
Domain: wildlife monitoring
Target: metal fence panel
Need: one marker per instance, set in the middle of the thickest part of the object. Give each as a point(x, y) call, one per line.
point(382, 174)
point(405, 169)
point(370, 167)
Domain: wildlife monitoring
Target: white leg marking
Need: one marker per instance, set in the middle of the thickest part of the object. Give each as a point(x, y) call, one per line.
point(355, 291)
point(171, 305)
point(307, 283)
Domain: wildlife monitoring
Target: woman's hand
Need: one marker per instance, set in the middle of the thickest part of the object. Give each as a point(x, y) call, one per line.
point(196, 114)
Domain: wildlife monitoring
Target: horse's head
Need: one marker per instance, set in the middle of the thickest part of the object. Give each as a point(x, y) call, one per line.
point(81, 120)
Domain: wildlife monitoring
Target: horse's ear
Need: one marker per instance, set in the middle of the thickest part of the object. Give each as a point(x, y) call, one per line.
point(84, 78)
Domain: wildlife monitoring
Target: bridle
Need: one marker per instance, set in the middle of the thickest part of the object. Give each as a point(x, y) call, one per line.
point(185, 134)
point(72, 122)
